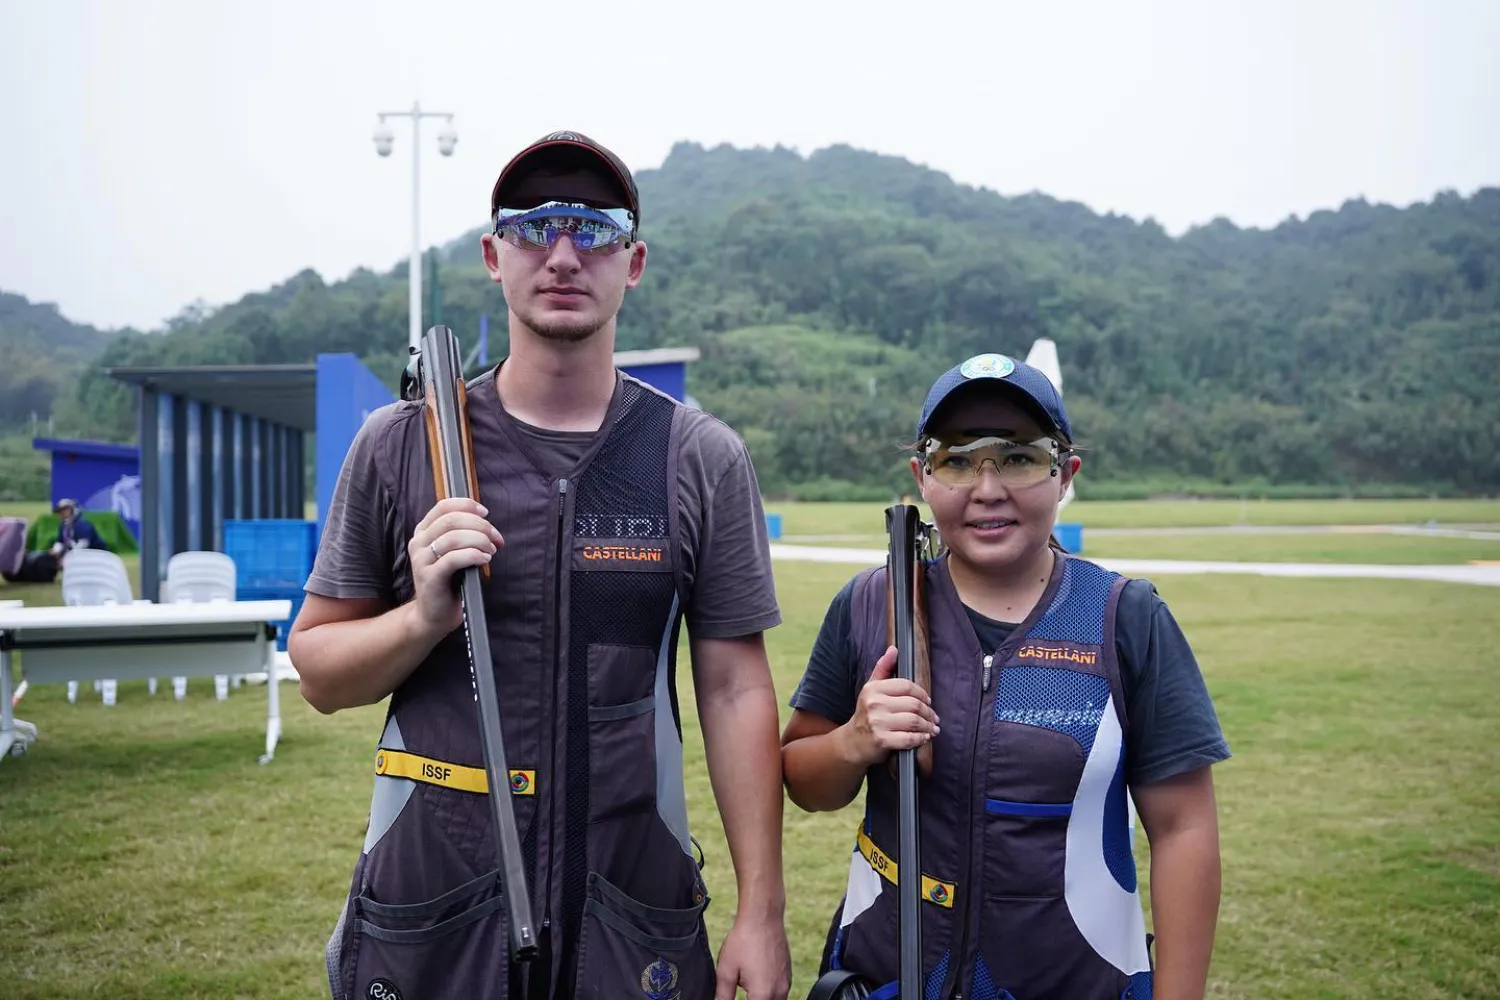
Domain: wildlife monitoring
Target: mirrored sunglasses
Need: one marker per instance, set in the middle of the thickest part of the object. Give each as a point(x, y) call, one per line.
point(1017, 463)
point(591, 230)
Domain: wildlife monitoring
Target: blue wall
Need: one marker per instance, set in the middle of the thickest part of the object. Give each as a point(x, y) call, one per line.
point(101, 477)
point(348, 392)
point(670, 378)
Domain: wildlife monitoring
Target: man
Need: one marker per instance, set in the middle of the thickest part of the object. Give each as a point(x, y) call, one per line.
point(609, 514)
point(73, 532)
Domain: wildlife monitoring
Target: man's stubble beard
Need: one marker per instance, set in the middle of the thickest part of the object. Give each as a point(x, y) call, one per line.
point(564, 330)
point(565, 333)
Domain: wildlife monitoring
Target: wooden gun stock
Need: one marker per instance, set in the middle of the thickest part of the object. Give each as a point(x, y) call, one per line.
point(437, 379)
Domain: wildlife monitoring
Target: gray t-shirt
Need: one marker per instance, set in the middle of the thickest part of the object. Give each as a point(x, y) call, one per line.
point(723, 548)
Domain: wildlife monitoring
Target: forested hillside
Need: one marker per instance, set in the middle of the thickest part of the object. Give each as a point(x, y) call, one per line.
point(41, 355)
point(1350, 351)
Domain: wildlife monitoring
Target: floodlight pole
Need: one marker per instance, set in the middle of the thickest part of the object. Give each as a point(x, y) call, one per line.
point(446, 141)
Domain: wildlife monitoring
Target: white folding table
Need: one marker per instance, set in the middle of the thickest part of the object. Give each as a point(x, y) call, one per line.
point(138, 641)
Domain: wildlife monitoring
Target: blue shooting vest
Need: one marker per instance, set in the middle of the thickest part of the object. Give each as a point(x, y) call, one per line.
point(1028, 880)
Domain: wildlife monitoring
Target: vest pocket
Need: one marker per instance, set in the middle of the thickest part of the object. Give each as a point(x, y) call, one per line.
point(454, 945)
point(622, 760)
point(1024, 850)
point(627, 948)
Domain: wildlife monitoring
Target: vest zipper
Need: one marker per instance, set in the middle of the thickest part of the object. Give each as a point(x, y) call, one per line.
point(561, 666)
point(963, 933)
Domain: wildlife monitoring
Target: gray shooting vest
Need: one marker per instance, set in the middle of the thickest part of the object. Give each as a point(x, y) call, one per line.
point(1028, 880)
point(583, 607)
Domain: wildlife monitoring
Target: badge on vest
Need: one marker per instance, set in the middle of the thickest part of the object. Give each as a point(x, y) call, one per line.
point(1044, 651)
point(382, 989)
point(659, 981)
point(644, 555)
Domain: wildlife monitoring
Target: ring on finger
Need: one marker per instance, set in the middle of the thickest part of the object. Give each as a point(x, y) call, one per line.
point(436, 555)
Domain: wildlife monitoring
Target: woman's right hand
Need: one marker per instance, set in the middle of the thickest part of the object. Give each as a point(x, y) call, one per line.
point(452, 537)
point(890, 714)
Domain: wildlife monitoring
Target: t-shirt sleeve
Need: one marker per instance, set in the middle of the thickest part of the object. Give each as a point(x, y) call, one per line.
point(354, 557)
point(733, 585)
point(1173, 726)
point(827, 686)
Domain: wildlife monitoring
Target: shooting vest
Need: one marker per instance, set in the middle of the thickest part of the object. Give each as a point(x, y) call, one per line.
point(583, 607)
point(1028, 881)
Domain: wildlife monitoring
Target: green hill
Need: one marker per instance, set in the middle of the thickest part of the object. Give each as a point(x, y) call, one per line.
point(1343, 352)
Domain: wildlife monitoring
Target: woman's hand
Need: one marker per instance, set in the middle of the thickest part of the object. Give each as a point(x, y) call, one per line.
point(890, 714)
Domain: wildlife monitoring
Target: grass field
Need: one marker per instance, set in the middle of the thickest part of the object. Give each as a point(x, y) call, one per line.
point(145, 854)
point(836, 518)
point(1323, 547)
point(1311, 548)
point(860, 525)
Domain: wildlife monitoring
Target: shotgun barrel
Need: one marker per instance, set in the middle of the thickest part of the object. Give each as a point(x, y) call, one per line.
point(902, 525)
point(438, 381)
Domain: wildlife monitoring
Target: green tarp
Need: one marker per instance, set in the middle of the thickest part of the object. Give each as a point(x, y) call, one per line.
point(42, 532)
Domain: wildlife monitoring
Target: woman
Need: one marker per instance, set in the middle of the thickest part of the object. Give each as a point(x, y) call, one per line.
point(1056, 685)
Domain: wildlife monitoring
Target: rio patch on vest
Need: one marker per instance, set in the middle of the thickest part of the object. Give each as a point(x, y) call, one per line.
point(645, 555)
point(382, 989)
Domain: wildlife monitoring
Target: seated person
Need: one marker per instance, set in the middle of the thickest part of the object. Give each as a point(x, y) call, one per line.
point(74, 532)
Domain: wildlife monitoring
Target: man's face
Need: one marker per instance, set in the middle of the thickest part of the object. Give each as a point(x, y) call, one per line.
point(560, 293)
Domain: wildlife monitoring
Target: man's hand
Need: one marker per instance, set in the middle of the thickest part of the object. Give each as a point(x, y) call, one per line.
point(453, 536)
point(755, 957)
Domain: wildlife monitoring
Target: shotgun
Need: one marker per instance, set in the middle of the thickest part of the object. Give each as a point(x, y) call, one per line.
point(435, 376)
point(903, 569)
point(911, 543)
point(916, 541)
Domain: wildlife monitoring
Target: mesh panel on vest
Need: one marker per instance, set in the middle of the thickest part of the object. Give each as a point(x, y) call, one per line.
point(1139, 988)
point(933, 989)
point(1065, 701)
point(1117, 854)
point(1073, 615)
point(622, 494)
point(984, 984)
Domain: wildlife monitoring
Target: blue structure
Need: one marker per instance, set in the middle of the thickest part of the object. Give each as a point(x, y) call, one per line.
point(347, 393)
point(217, 443)
point(226, 442)
point(665, 368)
point(101, 477)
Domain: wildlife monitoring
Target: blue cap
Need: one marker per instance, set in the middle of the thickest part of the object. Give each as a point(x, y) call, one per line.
point(1027, 381)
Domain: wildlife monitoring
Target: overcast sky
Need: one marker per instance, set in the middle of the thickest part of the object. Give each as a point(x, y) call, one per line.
point(154, 153)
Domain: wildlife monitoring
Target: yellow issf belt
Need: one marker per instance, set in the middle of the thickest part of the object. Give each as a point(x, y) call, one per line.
point(400, 764)
point(933, 890)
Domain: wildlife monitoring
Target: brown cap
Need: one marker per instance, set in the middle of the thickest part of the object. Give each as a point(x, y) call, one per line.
point(570, 148)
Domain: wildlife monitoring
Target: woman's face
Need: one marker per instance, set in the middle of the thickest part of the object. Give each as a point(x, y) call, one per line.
point(995, 528)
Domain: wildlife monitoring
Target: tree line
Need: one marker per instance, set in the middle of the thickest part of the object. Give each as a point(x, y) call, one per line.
point(1348, 352)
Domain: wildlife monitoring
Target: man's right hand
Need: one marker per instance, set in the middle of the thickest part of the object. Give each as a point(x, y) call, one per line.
point(890, 714)
point(452, 537)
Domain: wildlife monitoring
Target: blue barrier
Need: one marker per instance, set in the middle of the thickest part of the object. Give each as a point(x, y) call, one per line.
point(1069, 536)
point(271, 554)
point(773, 526)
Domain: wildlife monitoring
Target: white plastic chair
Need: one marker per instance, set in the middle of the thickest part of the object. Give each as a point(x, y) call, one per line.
point(93, 577)
point(194, 577)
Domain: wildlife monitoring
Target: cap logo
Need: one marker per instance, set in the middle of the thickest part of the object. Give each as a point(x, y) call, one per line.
point(563, 137)
point(987, 366)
